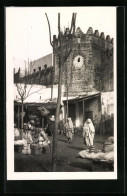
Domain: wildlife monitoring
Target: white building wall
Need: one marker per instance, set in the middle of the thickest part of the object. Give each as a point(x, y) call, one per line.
point(46, 60)
point(107, 102)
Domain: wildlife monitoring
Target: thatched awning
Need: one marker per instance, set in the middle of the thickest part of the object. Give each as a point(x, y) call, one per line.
point(48, 105)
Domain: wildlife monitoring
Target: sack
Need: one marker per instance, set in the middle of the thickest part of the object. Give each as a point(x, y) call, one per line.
point(36, 151)
point(110, 140)
point(28, 151)
point(108, 147)
point(24, 151)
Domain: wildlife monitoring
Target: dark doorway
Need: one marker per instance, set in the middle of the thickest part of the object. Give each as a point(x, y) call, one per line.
point(71, 112)
point(89, 114)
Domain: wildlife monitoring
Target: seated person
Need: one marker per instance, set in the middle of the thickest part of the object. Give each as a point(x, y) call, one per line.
point(43, 139)
point(16, 133)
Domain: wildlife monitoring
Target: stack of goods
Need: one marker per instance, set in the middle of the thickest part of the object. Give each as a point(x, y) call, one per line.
point(92, 149)
point(26, 149)
point(109, 145)
point(35, 149)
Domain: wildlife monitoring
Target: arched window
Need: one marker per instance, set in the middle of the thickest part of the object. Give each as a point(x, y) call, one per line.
point(79, 59)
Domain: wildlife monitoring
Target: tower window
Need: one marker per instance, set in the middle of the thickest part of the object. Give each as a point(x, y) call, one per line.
point(79, 59)
point(39, 68)
point(45, 66)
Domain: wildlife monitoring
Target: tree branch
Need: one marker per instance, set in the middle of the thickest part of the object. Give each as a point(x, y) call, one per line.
point(28, 92)
point(59, 32)
point(19, 90)
point(68, 54)
point(50, 35)
point(32, 93)
point(49, 30)
point(72, 23)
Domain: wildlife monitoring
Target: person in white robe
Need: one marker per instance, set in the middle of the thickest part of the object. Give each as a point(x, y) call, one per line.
point(69, 130)
point(88, 132)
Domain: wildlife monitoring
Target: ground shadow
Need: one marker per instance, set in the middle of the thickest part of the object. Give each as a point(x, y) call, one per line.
point(77, 147)
point(62, 140)
point(100, 142)
point(81, 165)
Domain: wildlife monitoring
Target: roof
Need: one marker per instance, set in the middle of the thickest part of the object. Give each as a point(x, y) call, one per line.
point(83, 97)
point(48, 105)
point(37, 94)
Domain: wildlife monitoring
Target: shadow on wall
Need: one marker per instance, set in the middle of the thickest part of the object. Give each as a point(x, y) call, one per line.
point(107, 126)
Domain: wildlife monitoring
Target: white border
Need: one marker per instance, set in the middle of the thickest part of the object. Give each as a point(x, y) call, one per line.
point(11, 175)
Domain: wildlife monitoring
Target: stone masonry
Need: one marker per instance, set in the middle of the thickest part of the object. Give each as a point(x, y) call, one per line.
point(90, 65)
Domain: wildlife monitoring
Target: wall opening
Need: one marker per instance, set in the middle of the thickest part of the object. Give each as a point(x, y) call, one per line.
point(79, 59)
point(45, 66)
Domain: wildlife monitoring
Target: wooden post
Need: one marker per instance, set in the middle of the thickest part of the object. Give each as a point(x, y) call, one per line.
point(18, 117)
point(67, 103)
point(51, 91)
point(42, 122)
point(83, 112)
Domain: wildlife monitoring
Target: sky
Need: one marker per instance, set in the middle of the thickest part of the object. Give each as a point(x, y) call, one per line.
point(27, 34)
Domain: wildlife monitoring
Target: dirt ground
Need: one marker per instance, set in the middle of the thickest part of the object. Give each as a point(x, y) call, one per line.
point(66, 157)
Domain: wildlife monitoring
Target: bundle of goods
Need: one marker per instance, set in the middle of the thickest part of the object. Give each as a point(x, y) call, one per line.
point(109, 145)
point(108, 156)
point(35, 149)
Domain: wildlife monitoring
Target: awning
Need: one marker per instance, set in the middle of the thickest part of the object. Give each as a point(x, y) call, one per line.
point(83, 97)
point(48, 105)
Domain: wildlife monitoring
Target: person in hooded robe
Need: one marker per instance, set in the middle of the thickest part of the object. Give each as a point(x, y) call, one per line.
point(16, 132)
point(88, 132)
point(52, 124)
point(69, 130)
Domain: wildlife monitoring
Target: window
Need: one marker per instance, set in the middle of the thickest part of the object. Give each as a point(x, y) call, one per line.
point(39, 68)
point(34, 70)
point(79, 59)
point(45, 66)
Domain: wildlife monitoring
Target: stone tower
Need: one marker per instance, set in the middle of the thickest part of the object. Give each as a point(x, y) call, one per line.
point(89, 67)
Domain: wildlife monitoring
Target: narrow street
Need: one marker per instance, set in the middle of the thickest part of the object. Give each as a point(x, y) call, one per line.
point(67, 161)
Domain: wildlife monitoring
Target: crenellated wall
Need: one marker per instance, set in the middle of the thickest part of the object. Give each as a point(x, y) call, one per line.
point(90, 65)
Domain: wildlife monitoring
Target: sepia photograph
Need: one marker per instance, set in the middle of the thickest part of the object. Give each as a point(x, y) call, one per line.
point(61, 92)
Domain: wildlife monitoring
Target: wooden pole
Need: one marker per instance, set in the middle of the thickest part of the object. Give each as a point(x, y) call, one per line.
point(83, 112)
point(51, 91)
point(67, 102)
point(18, 117)
point(42, 122)
point(55, 134)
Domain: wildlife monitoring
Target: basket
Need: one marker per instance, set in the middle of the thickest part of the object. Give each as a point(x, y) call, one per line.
point(92, 149)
